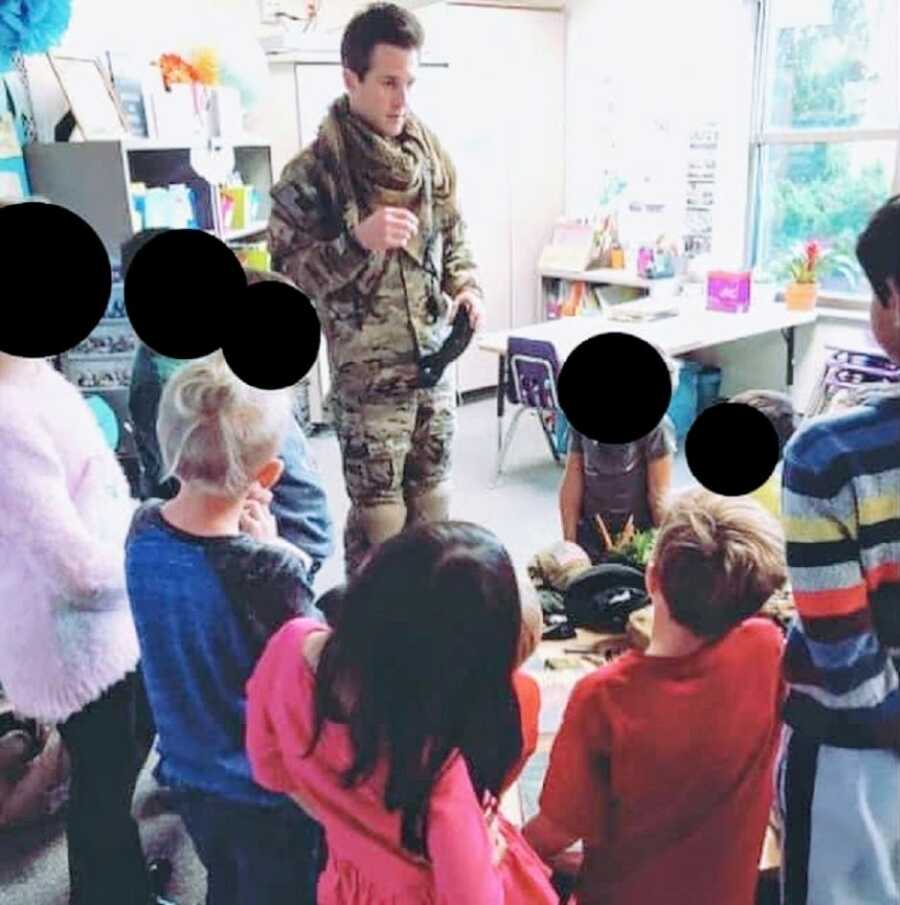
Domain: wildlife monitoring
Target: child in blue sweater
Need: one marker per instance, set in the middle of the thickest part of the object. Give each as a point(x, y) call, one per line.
point(209, 581)
point(298, 499)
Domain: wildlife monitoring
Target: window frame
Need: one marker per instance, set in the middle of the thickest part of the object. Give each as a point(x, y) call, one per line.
point(761, 138)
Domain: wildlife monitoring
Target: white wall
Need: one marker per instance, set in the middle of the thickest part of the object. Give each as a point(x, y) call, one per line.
point(152, 26)
point(639, 75)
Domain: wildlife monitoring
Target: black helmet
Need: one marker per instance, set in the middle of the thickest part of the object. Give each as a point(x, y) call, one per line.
point(603, 597)
point(432, 366)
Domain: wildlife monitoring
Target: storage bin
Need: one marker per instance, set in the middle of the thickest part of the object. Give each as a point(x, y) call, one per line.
point(709, 383)
point(683, 407)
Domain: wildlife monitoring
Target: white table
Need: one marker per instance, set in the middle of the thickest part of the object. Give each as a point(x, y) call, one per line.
point(691, 329)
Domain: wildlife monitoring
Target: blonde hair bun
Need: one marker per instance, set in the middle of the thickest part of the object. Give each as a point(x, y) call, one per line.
point(210, 391)
point(217, 431)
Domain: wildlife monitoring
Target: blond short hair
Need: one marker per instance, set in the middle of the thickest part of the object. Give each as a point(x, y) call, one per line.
point(718, 560)
point(217, 431)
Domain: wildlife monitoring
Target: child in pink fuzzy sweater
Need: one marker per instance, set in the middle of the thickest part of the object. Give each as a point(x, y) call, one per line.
point(68, 651)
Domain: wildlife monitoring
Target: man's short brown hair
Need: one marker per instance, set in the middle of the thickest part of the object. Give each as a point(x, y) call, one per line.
point(718, 559)
point(380, 23)
point(777, 407)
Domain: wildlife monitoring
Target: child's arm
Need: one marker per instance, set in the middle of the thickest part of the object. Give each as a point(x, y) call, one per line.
point(459, 846)
point(661, 446)
point(571, 491)
point(299, 503)
point(528, 693)
point(277, 692)
point(659, 485)
point(42, 524)
point(574, 801)
point(837, 664)
point(546, 838)
point(266, 584)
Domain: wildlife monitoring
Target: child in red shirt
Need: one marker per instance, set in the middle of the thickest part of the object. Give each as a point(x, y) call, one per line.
point(663, 763)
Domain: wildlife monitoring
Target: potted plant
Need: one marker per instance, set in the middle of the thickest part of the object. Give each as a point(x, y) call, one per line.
point(801, 293)
point(630, 547)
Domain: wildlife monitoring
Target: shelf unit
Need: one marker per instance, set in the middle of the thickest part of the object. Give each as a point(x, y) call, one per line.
point(133, 143)
point(254, 229)
point(102, 362)
point(105, 170)
point(622, 286)
point(606, 276)
point(93, 179)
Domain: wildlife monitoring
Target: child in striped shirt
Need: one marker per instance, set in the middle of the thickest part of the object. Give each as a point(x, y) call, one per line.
point(839, 766)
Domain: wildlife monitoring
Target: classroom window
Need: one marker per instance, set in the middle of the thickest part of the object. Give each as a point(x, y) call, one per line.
point(827, 130)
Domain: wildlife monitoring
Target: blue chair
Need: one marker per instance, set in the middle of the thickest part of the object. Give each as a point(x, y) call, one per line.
point(531, 384)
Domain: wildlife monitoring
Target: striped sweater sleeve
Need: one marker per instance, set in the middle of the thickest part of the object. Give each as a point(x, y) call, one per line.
point(843, 681)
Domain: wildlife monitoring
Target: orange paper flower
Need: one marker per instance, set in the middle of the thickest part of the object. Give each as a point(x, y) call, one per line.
point(176, 70)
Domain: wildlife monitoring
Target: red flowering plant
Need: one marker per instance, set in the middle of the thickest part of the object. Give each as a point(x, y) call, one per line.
point(812, 260)
point(804, 267)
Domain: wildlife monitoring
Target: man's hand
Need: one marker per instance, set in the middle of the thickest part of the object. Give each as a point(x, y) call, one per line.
point(387, 228)
point(546, 838)
point(471, 301)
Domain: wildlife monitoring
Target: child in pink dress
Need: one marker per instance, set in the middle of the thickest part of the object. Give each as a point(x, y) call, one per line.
point(396, 729)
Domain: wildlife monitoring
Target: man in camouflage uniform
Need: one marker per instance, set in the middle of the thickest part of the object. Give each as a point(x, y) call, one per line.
point(365, 222)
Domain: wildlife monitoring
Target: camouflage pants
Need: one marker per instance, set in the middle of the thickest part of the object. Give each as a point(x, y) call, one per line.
point(396, 459)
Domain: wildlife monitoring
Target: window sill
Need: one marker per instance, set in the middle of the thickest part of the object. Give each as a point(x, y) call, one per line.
point(840, 306)
point(838, 313)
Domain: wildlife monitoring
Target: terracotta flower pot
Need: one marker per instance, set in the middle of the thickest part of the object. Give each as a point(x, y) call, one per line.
point(801, 296)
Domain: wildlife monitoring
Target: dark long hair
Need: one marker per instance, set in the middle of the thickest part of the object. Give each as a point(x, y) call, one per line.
point(420, 665)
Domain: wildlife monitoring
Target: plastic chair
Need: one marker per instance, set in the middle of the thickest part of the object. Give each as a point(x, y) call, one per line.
point(533, 371)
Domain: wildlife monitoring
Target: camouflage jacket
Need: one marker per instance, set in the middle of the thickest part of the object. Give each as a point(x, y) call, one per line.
point(359, 294)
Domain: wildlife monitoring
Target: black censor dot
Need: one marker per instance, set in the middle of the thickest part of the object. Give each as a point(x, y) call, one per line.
point(54, 255)
point(615, 388)
point(181, 288)
point(274, 337)
point(732, 449)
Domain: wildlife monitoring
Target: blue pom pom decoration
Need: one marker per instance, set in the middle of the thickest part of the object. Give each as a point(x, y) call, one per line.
point(31, 26)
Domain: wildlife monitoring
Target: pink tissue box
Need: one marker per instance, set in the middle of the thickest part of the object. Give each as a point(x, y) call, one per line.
point(728, 291)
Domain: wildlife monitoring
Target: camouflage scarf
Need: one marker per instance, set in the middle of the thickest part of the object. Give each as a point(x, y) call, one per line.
point(371, 170)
